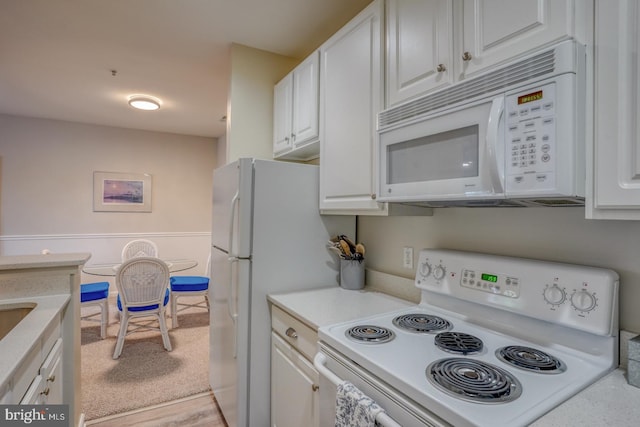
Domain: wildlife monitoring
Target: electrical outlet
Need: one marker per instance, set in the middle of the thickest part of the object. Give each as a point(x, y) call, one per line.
point(407, 257)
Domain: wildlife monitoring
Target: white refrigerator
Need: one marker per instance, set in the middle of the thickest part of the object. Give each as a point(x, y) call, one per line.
point(267, 236)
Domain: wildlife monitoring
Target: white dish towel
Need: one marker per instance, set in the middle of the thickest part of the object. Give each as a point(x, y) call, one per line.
point(354, 408)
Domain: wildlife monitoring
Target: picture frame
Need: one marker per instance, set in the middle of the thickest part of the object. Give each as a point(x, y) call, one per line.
point(121, 192)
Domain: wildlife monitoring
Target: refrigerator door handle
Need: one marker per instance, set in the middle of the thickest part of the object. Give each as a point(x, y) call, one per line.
point(221, 249)
point(232, 220)
point(231, 309)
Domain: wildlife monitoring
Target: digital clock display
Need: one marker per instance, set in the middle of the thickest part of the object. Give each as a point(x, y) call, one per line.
point(530, 97)
point(489, 277)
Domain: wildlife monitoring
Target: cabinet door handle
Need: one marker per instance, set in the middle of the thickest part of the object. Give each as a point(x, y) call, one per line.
point(293, 137)
point(441, 68)
point(373, 196)
point(51, 378)
point(315, 387)
point(466, 56)
point(291, 333)
point(45, 392)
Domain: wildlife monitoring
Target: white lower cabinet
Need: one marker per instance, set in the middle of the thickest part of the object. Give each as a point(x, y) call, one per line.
point(46, 387)
point(51, 371)
point(39, 378)
point(294, 380)
point(294, 396)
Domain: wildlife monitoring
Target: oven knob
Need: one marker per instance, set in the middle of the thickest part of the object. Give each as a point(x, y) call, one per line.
point(439, 272)
point(554, 295)
point(583, 301)
point(425, 269)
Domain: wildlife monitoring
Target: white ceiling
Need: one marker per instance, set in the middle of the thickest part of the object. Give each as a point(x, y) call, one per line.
point(56, 56)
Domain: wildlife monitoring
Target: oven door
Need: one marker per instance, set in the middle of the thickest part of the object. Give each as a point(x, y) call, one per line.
point(399, 409)
point(457, 154)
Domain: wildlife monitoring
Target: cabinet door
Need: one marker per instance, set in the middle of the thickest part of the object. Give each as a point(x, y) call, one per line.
point(35, 394)
point(616, 159)
point(497, 30)
point(351, 82)
point(306, 82)
point(294, 392)
point(51, 371)
point(282, 105)
point(419, 48)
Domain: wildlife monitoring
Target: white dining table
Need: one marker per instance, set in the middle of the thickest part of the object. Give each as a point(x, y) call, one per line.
point(111, 269)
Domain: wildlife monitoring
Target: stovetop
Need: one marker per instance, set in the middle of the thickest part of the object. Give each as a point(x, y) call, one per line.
point(582, 348)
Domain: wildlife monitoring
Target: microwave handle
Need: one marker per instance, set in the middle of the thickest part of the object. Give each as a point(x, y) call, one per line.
point(496, 169)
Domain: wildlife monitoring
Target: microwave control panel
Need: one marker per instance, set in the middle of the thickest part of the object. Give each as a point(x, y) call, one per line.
point(530, 139)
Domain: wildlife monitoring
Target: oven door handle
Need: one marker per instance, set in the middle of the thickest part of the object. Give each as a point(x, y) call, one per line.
point(320, 363)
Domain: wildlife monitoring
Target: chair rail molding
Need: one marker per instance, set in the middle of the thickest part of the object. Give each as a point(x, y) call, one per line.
point(106, 248)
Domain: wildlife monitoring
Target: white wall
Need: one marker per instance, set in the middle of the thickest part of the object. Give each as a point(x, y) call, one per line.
point(556, 234)
point(46, 189)
point(254, 72)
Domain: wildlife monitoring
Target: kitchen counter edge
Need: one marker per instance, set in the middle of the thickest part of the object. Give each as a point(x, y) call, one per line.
point(325, 306)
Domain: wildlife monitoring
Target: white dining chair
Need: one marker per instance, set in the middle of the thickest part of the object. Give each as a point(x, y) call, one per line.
point(96, 294)
point(189, 286)
point(143, 291)
point(138, 248)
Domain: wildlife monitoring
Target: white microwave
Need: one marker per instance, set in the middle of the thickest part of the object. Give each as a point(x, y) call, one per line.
point(513, 136)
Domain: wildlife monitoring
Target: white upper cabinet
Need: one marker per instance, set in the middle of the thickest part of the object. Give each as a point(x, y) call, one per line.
point(432, 44)
point(616, 150)
point(351, 97)
point(282, 109)
point(295, 109)
point(497, 30)
point(419, 47)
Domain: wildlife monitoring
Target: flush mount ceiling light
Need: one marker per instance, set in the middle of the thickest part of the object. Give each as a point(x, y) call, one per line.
point(144, 102)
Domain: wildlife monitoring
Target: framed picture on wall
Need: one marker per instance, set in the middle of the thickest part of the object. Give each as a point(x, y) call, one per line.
point(121, 192)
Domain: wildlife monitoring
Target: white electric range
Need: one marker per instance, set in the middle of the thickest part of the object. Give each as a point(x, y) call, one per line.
point(495, 341)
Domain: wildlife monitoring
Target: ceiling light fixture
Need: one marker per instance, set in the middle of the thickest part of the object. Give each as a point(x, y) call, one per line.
point(144, 102)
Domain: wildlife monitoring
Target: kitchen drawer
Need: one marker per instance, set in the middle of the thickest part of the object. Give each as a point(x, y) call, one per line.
point(293, 331)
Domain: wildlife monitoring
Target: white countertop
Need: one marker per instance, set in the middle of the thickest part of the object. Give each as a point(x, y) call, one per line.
point(15, 346)
point(325, 306)
point(610, 401)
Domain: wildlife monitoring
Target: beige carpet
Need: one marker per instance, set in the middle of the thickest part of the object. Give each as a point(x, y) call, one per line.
point(145, 374)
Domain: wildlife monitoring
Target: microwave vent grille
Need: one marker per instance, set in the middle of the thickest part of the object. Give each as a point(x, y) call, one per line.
point(517, 72)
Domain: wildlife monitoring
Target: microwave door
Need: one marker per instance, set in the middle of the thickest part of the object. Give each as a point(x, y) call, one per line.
point(454, 155)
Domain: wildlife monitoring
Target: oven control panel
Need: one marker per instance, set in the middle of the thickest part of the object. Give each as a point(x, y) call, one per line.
point(495, 283)
point(578, 296)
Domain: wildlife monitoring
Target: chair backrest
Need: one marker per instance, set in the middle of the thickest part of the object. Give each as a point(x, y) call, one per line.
point(142, 281)
point(139, 248)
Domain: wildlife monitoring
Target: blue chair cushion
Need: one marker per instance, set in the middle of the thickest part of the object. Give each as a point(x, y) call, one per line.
point(189, 283)
point(94, 291)
point(146, 307)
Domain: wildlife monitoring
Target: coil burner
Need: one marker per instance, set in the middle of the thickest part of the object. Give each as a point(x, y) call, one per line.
point(370, 334)
point(530, 359)
point(422, 323)
point(473, 380)
point(458, 343)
